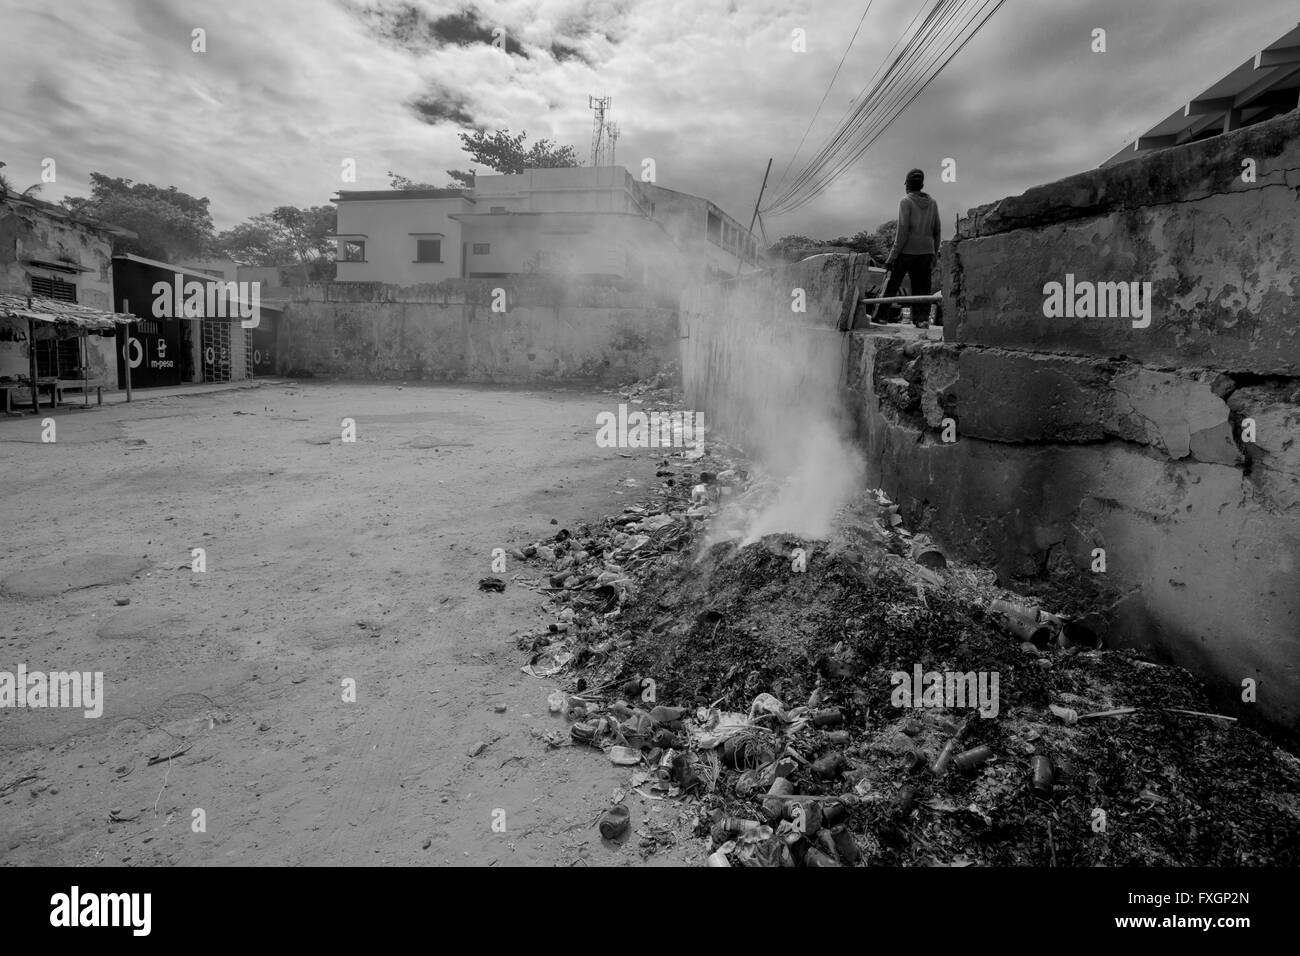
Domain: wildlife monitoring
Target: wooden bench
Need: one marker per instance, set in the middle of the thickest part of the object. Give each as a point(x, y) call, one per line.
point(53, 384)
point(76, 384)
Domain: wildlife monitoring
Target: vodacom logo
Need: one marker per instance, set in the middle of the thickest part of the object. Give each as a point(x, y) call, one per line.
point(133, 352)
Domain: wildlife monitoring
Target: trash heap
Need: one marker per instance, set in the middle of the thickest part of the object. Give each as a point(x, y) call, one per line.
point(661, 388)
point(863, 701)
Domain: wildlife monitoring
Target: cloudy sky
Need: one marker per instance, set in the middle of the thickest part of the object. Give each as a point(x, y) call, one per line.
point(289, 89)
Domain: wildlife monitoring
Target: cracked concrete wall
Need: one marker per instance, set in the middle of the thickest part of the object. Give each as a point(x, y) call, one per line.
point(1220, 254)
point(1080, 433)
point(550, 332)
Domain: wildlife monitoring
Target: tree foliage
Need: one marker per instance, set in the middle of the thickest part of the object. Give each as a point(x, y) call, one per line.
point(286, 235)
point(398, 181)
point(170, 224)
point(508, 154)
point(460, 179)
point(875, 243)
point(6, 187)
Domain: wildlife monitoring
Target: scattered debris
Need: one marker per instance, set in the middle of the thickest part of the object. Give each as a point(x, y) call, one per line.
point(683, 652)
point(614, 822)
point(491, 584)
point(172, 756)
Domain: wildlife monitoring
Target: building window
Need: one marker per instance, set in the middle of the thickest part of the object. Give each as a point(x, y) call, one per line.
point(428, 250)
point(497, 210)
point(354, 250)
point(53, 287)
point(482, 248)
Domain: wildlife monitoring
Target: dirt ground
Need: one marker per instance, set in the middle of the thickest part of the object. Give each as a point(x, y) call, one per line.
point(325, 561)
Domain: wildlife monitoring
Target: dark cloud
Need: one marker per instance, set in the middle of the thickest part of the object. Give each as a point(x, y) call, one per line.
point(443, 106)
point(47, 90)
point(407, 26)
point(562, 52)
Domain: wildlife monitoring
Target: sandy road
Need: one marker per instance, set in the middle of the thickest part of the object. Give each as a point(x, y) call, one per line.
point(325, 561)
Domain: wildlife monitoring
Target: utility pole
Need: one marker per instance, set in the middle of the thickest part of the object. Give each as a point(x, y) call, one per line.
point(126, 350)
point(757, 201)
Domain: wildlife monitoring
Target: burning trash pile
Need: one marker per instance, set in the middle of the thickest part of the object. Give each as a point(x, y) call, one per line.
point(860, 701)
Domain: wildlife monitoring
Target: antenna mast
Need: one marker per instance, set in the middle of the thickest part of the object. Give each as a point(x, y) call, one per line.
point(601, 133)
point(613, 143)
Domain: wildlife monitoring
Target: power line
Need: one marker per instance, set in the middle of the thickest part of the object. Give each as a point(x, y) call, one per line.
point(898, 72)
point(948, 26)
point(894, 102)
point(817, 112)
point(855, 113)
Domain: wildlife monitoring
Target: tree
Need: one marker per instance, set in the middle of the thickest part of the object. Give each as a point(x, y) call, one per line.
point(284, 236)
point(7, 187)
point(398, 181)
point(169, 224)
point(877, 244)
point(507, 154)
point(460, 179)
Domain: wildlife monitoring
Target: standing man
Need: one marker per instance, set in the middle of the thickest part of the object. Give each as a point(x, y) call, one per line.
point(914, 249)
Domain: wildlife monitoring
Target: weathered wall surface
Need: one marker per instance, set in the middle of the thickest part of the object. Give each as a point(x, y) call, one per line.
point(550, 332)
point(1220, 252)
point(1073, 434)
point(29, 232)
point(759, 366)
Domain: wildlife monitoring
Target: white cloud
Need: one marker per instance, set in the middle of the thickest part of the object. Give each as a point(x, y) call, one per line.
point(709, 88)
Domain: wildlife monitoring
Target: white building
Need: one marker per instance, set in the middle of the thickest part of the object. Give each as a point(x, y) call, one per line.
point(578, 221)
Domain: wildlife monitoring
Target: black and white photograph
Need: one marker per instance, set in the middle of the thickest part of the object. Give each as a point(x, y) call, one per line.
point(651, 434)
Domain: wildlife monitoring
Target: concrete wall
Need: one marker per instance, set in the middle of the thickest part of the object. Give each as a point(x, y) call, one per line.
point(757, 366)
point(34, 231)
point(1073, 434)
point(562, 189)
point(552, 332)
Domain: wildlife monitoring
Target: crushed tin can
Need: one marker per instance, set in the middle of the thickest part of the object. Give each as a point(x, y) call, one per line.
point(971, 760)
point(846, 848)
point(1074, 634)
point(614, 822)
point(1040, 776)
point(834, 812)
point(941, 762)
point(830, 717)
point(1040, 635)
point(738, 825)
point(815, 857)
point(906, 800)
point(775, 809)
point(828, 767)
